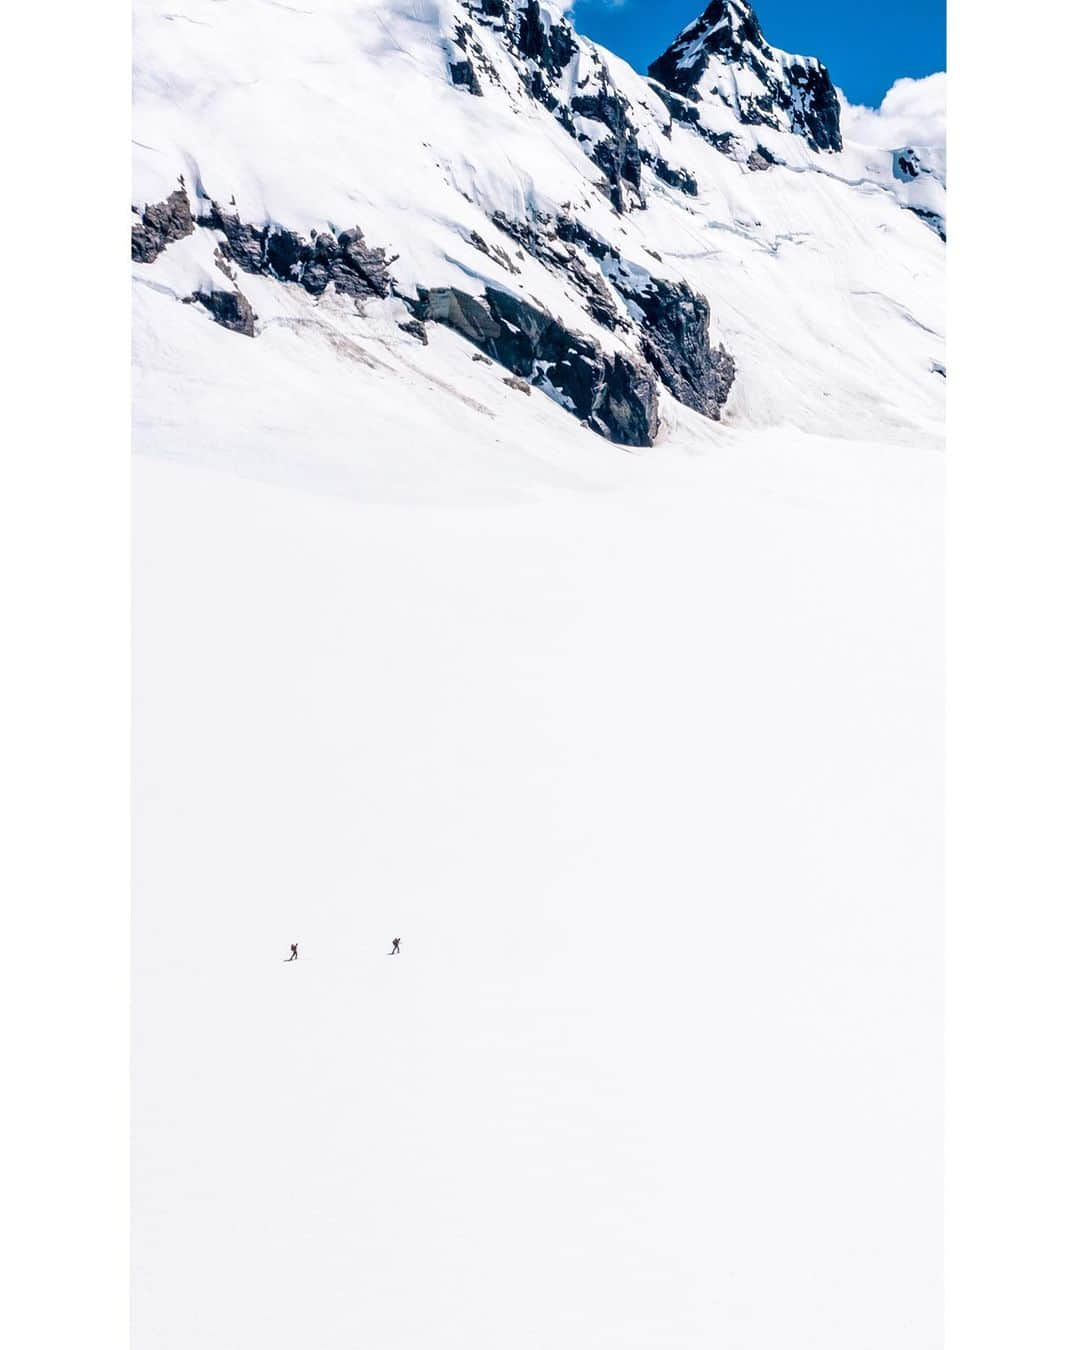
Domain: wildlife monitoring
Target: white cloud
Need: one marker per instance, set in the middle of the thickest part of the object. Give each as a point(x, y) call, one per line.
point(911, 113)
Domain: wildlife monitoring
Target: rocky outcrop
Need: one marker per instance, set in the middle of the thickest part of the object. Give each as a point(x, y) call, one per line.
point(230, 309)
point(415, 329)
point(553, 245)
point(614, 395)
point(618, 154)
point(814, 111)
point(672, 320)
point(611, 394)
point(463, 74)
point(466, 60)
point(542, 48)
point(684, 111)
point(160, 225)
point(682, 179)
point(345, 262)
point(907, 165)
point(796, 93)
point(550, 45)
point(675, 341)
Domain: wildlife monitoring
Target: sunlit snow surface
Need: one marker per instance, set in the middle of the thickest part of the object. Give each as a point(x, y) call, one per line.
point(645, 772)
point(638, 753)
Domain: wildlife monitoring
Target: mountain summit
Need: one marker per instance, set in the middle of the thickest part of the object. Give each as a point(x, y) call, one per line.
point(723, 55)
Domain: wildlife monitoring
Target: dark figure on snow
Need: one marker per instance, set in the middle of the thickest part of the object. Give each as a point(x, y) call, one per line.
point(395, 948)
point(293, 953)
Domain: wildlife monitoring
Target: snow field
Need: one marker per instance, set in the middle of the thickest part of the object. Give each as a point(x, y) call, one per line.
point(647, 778)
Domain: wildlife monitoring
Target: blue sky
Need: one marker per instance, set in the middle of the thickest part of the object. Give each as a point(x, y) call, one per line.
point(865, 46)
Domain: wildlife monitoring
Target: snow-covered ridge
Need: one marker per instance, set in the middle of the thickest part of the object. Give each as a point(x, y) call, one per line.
point(623, 245)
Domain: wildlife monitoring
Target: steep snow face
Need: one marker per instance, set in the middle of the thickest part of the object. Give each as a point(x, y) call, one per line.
point(374, 168)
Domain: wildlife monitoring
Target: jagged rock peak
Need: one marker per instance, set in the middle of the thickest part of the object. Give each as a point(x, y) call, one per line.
point(724, 54)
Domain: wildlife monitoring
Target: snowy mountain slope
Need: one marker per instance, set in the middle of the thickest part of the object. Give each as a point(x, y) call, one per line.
point(638, 265)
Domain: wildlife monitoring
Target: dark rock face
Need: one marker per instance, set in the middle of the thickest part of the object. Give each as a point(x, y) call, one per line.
point(675, 342)
point(761, 158)
point(466, 59)
point(552, 248)
point(551, 48)
point(315, 263)
point(244, 244)
point(494, 252)
point(674, 325)
point(672, 320)
point(814, 108)
point(415, 329)
point(682, 179)
point(682, 110)
point(570, 229)
point(230, 309)
point(542, 50)
point(799, 95)
point(612, 395)
point(346, 262)
point(905, 165)
point(463, 73)
point(630, 408)
point(618, 155)
point(161, 224)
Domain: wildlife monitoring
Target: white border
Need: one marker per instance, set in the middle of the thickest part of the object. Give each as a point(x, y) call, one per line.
point(1013, 1011)
point(64, 706)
